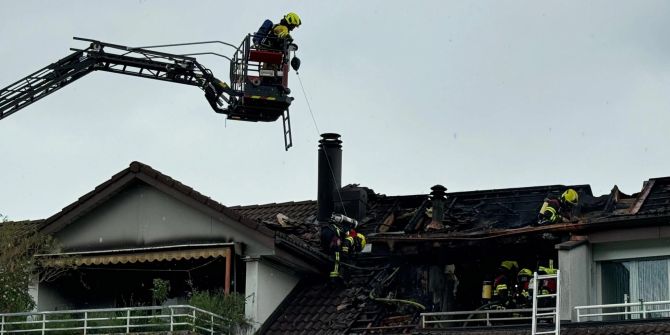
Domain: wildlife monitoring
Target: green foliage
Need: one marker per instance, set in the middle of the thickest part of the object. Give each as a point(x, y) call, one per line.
point(229, 306)
point(160, 291)
point(19, 242)
point(14, 295)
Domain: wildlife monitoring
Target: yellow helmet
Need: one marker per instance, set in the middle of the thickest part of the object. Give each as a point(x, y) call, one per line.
point(546, 270)
point(525, 272)
point(570, 196)
point(293, 19)
point(509, 265)
point(361, 238)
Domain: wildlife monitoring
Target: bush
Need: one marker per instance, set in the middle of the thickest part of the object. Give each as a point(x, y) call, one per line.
point(160, 291)
point(229, 306)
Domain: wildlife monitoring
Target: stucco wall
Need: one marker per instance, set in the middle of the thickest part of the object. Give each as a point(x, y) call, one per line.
point(142, 216)
point(576, 274)
point(266, 287)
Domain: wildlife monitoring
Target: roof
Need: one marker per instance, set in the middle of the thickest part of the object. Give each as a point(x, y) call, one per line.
point(302, 211)
point(317, 307)
point(321, 307)
point(654, 198)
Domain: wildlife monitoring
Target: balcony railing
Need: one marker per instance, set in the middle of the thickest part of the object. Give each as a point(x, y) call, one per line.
point(116, 320)
point(624, 311)
point(481, 318)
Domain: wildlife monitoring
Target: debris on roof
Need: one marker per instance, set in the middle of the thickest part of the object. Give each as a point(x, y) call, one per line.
point(414, 264)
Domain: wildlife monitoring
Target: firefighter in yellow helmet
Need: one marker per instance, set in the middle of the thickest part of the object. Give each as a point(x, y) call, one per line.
point(504, 280)
point(523, 279)
point(340, 238)
point(353, 243)
point(286, 25)
point(556, 210)
point(273, 36)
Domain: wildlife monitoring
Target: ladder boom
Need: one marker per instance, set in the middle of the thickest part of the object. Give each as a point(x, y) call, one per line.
point(104, 57)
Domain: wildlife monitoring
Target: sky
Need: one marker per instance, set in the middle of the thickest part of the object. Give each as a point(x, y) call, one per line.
point(468, 94)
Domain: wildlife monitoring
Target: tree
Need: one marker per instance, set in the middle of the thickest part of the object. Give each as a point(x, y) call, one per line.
point(19, 243)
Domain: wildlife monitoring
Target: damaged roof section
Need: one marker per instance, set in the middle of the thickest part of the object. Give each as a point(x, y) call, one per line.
point(465, 215)
point(471, 215)
point(654, 198)
point(506, 216)
point(481, 210)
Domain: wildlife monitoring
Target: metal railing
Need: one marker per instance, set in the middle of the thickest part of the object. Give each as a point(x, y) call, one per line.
point(630, 310)
point(116, 320)
point(480, 318)
point(242, 68)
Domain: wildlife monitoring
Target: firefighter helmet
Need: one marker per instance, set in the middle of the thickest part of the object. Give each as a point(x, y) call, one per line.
point(509, 265)
point(525, 272)
point(293, 19)
point(361, 239)
point(570, 196)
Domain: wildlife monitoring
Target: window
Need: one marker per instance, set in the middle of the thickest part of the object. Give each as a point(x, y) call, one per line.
point(635, 280)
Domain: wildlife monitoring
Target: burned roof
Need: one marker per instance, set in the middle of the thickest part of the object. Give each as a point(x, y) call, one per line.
point(316, 307)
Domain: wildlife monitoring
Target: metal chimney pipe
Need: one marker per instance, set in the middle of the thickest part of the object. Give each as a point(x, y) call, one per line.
point(330, 174)
point(438, 199)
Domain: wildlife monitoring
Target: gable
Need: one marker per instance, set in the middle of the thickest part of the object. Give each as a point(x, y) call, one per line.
point(141, 216)
point(141, 207)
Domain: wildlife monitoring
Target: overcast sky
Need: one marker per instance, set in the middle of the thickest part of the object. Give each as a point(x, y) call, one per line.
point(468, 94)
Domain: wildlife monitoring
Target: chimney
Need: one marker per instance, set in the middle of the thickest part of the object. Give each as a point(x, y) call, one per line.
point(330, 173)
point(352, 201)
point(438, 199)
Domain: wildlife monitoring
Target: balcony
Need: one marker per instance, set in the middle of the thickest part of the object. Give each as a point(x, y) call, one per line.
point(624, 311)
point(175, 318)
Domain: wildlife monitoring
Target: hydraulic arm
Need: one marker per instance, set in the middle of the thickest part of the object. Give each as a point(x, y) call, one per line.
point(259, 89)
point(111, 58)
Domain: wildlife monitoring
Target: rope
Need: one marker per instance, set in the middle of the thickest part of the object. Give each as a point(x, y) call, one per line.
point(330, 167)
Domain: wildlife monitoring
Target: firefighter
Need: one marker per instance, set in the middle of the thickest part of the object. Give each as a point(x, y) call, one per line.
point(545, 286)
point(523, 279)
point(557, 210)
point(353, 243)
point(272, 36)
point(338, 237)
point(504, 281)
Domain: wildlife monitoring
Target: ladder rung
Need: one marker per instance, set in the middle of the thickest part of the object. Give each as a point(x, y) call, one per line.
point(546, 332)
point(547, 276)
point(546, 314)
point(552, 295)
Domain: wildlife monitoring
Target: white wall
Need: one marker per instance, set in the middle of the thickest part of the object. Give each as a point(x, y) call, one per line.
point(576, 279)
point(266, 287)
point(141, 216)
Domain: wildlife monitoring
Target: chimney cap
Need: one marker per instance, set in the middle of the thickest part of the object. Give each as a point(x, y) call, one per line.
point(330, 139)
point(438, 191)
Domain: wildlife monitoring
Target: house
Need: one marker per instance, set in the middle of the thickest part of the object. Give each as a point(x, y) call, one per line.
point(430, 253)
point(141, 225)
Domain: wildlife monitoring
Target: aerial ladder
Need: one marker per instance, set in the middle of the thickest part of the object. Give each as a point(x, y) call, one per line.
point(258, 89)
